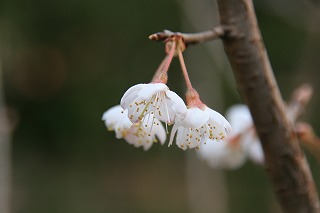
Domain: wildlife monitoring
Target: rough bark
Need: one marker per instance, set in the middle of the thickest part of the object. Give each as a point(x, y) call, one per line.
point(285, 162)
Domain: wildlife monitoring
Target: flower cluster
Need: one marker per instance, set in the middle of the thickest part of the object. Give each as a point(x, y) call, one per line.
point(144, 107)
point(240, 145)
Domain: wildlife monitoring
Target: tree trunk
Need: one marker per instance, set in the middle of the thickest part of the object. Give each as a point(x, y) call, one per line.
point(285, 162)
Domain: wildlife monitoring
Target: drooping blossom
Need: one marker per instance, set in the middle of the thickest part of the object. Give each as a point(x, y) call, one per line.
point(154, 99)
point(242, 143)
point(140, 134)
point(199, 124)
point(145, 106)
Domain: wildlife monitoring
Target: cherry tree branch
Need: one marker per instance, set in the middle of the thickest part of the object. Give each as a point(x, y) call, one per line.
point(190, 38)
point(285, 162)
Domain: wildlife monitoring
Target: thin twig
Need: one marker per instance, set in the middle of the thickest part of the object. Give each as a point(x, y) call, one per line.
point(308, 138)
point(190, 38)
point(305, 133)
point(300, 98)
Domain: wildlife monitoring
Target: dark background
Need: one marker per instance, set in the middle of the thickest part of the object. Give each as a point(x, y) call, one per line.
point(65, 62)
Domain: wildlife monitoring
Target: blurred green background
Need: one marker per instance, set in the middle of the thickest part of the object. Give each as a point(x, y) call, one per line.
point(65, 62)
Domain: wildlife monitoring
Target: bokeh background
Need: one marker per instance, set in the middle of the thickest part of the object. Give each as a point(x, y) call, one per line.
point(64, 62)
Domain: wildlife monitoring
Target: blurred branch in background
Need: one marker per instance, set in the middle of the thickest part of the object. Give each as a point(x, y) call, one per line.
point(207, 188)
point(300, 98)
point(5, 152)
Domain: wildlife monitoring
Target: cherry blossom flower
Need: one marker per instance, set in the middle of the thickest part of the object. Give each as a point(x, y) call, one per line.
point(242, 143)
point(143, 133)
point(199, 125)
point(153, 99)
point(146, 105)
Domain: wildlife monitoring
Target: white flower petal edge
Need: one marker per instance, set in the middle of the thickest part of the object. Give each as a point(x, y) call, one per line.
point(255, 152)
point(146, 133)
point(151, 89)
point(242, 143)
point(116, 119)
point(130, 95)
point(139, 134)
point(199, 125)
point(189, 128)
point(177, 104)
point(242, 123)
point(219, 155)
point(240, 118)
point(219, 118)
point(153, 98)
point(194, 118)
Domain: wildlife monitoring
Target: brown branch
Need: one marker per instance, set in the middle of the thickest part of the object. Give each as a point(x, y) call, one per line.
point(285, 162)
point(190, 38)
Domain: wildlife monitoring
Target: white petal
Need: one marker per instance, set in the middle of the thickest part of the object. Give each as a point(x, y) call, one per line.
point(161, 134)
point(214, 130)
point(234, 161)
point(117, 119)
point(239, 117)
point(167, 105)
point(147, 145)
point(248, 137)
point(218, 118)
point(144, 134)
point(155, 128)
point(151, 89)
point(136, 110)
point(212, 151)
point(148, 98)
point(255, 152)
point(112, 116)
point(130, 95)
point(130, 138)
point(162, 108)
point(219, 155)
point(173, 132)
point(181, 138)
point(137, 137)
point(176, 103)
point(194, 118)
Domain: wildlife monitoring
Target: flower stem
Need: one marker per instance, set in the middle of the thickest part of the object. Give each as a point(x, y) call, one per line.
point(161, 73)
point(184, 70)
point(170, 56)
point(160, 69)
point(192, 96)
